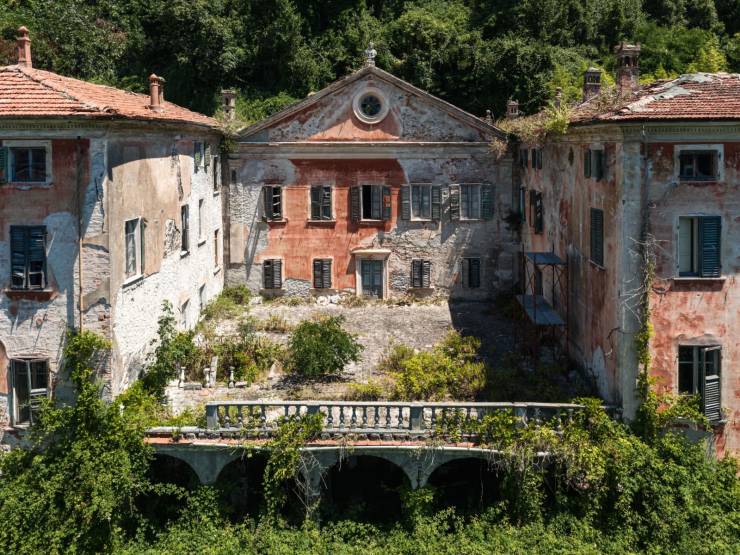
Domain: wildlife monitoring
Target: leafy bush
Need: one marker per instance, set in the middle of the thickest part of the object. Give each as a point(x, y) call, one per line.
point(321, 347)
point(371, 391)
point(230, 303)
point(449, 370)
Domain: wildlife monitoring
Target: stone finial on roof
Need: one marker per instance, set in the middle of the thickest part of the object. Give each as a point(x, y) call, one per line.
point(23, 42)
point(489, 117)
point(370, 54)
point(512, 108)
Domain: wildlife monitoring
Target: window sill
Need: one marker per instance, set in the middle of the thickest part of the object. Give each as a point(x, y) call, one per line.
point(698, 180)
point(684, 279)
point(201, 242)
point(183, 254)
point(281, 221)
point(372, 223)
point(133, 279)
point(319, 222)
point(597, 266)
point(30, 294)
point(28, 184)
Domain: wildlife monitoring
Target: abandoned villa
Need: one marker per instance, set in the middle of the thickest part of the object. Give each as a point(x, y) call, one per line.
point(113, 202)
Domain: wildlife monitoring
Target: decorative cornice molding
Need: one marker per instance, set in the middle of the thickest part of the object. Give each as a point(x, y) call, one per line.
point(55, 124)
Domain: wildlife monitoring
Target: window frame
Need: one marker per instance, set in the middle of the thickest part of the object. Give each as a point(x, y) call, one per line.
point(424, 277)
point(373, 188)
point(184, 229)
point(271, 263)
point(420, 186)
point(184, 315)
point(39, 392)
point(463, 208)
point(718, 151)
point(320, 204)
point(698, 261)
point(323, 262)
point(28, 259)
point(12, 145)
point(274, 192)
point(216, 175)
point(594, 166)
point(698, 367)
point(466, 269)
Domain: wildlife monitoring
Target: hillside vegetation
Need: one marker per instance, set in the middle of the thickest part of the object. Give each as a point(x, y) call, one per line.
point(473, 53)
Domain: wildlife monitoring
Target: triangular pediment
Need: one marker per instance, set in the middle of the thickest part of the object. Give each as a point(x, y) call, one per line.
point(340, 113)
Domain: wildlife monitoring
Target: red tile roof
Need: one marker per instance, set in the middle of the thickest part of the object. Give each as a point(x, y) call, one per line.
point(33, 93)
point(696, 96)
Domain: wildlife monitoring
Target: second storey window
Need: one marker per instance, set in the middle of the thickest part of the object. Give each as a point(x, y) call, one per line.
point(370, 202)
point(697, 165)
point(28, 164)
point(322, 273)
point(421, 273)
point(216, 174)
point(597, 236)
point(216, 249)
point(594, 164)
point(421, 202)
point(321, 202)
point(699, 374)
point(28, 257)
point(470, 272)
point(134, 238)
point(537, 211)
point(272, 274)
point(470, 202)
point(273, 202)
point(185, 224)
point(201, 217)
point(30, 383)
point(699, 241)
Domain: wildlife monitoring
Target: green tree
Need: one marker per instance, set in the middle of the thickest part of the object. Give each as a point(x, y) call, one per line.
point(321, 347)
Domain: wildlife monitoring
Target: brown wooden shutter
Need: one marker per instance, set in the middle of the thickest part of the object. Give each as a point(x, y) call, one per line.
point(597, 236)
point(405, 202)
point(355, 206)
point(318, 281)
point(387, 204)
point(18, 261)
point(4, 161)
point(316, 202)
point(436, 202)
point(598, 168)
point(267, 274)
point(277, 274)
point(486, 202)
point(426, 273)
point(267, 201)
point(454, 202)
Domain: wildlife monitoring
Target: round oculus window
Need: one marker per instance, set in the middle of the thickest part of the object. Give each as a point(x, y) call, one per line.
point(370, 105)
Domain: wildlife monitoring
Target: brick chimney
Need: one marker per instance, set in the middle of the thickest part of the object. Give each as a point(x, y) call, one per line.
point(628, 66)
point(23, 43)
point(228, 101)
point(512, 108)
point(156, 96)
point(591, 83)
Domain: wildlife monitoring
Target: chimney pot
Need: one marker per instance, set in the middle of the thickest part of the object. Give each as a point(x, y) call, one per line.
point(23, 45)
point(512, 108)
point(591, 83)
point(162, 81)
point(228, 100)
point(628, 66)
point(155, 96)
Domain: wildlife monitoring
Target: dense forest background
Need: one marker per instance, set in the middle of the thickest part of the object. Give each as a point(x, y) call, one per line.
point(473, 53)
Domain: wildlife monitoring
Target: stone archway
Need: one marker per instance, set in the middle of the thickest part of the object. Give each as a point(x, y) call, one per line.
point(468, 484)
point(240, 486)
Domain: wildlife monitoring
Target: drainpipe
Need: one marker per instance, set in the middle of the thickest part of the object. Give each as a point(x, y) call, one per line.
point(78, 156)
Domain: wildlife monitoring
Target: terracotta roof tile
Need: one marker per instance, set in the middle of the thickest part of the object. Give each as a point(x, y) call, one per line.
point(28, 92)
point(696, 96)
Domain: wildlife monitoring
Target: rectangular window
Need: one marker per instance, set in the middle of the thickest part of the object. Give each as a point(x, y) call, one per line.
point(594, 164)
point(699, 373)
point(524, 158)
point(537, 211)
point(216, 173)
point(322, 273)
point(272, 274)
point(28, 257)
point(233, 177)
point(321, 202)
point(273, 202)
point(201, 298)
point(28, 164)
point(537, 158)
point(201, 219)
point(216, 249)
point(597, 236)
point(470, 202)
point(372, 202)
point(697, 165)
point(421, 202)
point(699, 242)
point(30, 383)
point(198, 155)
point(184, 320)
point(470, 272)
point(523, 203)
point(185, 228)
point(421, 273)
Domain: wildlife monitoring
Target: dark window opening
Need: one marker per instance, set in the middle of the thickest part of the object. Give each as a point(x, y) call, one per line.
point(185, 224)
point(470, 273)
point(28, 165)
point(524, 158)
point(699, 246)
point(28, 257)
point(594, 164)
point(699, 373)
point(698, 164)
point(273, 200)
point(372, 202)
point(272, 274)
point(322, 273)
point(30, 386)
point(537, 214)
point(216, 173)
point(421, 273)
point(321, 202)
point(421, 202)
point(597, 236)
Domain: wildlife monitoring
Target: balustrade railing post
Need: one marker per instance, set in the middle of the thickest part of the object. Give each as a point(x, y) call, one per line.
point(212, 417)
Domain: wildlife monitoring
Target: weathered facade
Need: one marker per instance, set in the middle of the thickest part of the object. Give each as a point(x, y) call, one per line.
point(656, 176)
point(371, 187)
point(95, 184)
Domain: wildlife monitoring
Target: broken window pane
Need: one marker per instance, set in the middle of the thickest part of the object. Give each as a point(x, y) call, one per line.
point(697, 164)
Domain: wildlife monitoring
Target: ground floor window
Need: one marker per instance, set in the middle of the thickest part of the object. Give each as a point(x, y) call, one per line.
point(699, 374)
point(30, 383)
point(371, 274)
point(421, 273)
point(272, 274)
point(470, 272)
point(322, 273)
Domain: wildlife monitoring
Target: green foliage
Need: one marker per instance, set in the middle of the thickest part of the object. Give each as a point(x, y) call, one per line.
point(321, 347)
point(230, 303)
point(72, 489)
point(449, 370)
point(371, 391)
point(274, 323)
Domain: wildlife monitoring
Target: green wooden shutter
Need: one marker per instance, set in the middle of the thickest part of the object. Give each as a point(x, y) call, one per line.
point(18, 261)
point(4, 161)
point(711, 374)
point(597, 236)
point(277, 274)
point(387, 204)
point(405, 202)
point(454, 202)
point(267, 274)
point(486, 202)
point(587, 163)
point(436, 202)
point(710, 234)
point(426, 273)
point(355, 207)
point(318, 281)
point(326, 203)
point(197, 155)
point(316, 203)
point(416, 273)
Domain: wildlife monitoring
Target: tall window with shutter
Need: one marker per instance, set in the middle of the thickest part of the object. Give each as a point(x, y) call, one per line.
point(185, 228)
point(597, 236)
point(134, 243)
point(28, 257)
point(272, 274)
point(321, 202)
point(322, 273)
point(272, 197)
point(197, 155)
point(594, 164)
point(699, 246)
point(537, 211)
point(470, 273)
point(421, 274)
point(370, 203)
point(30, 384)
point(470, 202)
point(699, 373)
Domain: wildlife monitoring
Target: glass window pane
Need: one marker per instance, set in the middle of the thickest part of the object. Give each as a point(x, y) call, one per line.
point(426, 202)
point(686, 368)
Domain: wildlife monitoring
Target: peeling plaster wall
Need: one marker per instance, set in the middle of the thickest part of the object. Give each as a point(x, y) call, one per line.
point(697, 311)
point(151, 178)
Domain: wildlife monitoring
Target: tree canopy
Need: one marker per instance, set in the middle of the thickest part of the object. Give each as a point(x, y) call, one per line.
point(473, 53)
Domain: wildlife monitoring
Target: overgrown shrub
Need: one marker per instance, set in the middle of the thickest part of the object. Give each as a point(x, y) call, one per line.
point(321, 347)
point(231, 303)
point(274, 323)
point(450, 370)
point(371, 391)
